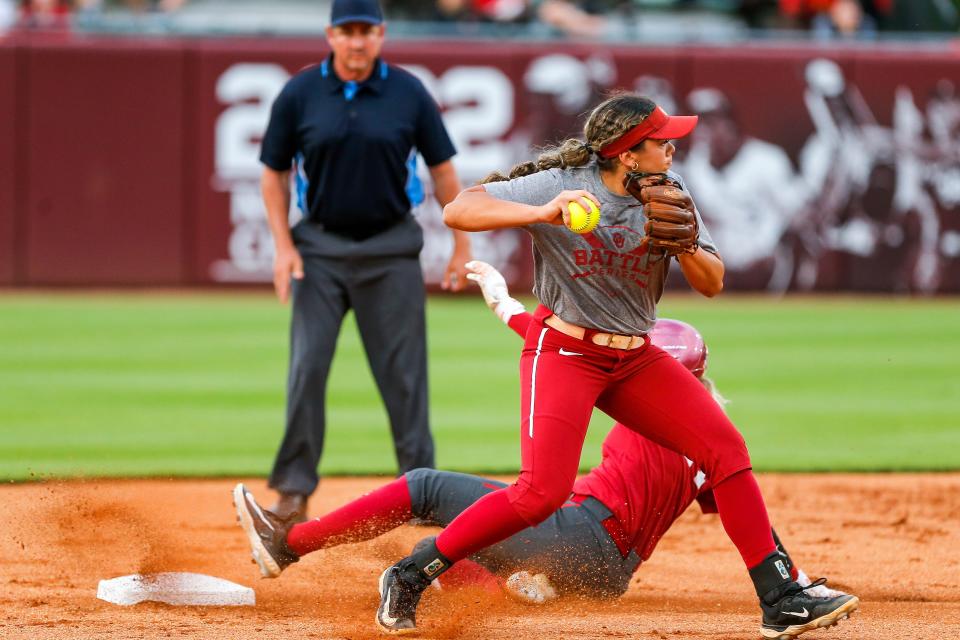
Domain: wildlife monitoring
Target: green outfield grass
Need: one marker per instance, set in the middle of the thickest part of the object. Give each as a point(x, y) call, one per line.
point(193, 384)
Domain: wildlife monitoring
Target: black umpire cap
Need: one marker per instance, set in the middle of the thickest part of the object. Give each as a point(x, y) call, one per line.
point(344, 11)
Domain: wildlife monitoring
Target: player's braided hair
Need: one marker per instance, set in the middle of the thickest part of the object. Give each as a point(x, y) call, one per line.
point(608, 121)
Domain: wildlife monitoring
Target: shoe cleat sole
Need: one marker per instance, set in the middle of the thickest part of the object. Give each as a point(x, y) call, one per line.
point(261, 557)
point(380, 625)
point(831, 619)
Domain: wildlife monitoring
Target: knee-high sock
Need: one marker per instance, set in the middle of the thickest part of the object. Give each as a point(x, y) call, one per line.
point(362, 519)
point(487, 521)
point(744, 517)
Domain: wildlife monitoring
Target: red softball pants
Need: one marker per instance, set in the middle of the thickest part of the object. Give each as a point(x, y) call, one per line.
point(562, 378)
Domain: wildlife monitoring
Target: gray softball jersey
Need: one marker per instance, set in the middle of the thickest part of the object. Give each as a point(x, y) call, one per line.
point(603, 280)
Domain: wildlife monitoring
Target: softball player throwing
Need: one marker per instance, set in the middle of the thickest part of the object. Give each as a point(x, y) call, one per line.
point(585, 547)
point(588, 344)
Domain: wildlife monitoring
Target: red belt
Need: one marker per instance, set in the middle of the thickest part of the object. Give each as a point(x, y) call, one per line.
point(611, 524)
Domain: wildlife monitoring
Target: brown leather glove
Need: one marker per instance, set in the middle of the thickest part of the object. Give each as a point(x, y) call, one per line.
point(671, 225)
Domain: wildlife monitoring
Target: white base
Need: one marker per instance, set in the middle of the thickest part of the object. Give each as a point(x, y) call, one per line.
point(175, 589)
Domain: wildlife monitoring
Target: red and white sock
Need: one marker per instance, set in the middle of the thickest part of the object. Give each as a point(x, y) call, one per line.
point(365, 518)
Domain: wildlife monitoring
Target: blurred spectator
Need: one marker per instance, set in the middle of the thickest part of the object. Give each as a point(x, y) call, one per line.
point(45, 15)
point(573, 19)
point(759, 14)
point(845, 18)
point(87, 7)
point(626, 18)
point(159, 6)
point(501, 11)
point(8, 14)
point(825, 17)
point(619, 18)
point(136, 6)
point(923, 15)
point(453, 11)
point(830, 18)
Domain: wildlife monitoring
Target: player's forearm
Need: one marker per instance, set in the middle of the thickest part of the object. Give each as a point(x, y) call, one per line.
point(275, 188)
point(446, 186)
point(476, 210)
point(704, 271)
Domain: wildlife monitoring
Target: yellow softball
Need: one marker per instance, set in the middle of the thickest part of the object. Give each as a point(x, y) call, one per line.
point(581, 220)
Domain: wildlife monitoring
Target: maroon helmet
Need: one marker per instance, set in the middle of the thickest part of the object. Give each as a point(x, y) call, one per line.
point(683, 342)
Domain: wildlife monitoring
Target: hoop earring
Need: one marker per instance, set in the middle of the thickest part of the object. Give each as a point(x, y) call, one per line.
point(636, 166)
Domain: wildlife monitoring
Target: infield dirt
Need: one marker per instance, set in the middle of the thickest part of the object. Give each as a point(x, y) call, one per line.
point(891, 539)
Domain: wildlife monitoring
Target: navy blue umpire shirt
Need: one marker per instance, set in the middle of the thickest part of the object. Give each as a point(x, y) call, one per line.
point(353, 145)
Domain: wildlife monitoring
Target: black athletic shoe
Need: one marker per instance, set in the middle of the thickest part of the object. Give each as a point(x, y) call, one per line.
point(266, 532)
point(797, 612)
point(400, 591)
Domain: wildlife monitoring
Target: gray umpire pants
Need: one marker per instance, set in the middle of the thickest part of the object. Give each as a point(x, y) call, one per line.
point(381, 280)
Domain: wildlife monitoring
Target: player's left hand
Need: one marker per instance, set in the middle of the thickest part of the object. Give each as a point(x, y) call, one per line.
point(455, 275)
point(671, 226)
point(493, 286)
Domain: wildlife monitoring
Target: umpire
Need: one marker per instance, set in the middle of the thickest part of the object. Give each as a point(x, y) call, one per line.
point(349, 130)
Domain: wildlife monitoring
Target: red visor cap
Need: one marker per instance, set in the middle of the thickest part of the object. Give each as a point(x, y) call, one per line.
point(676, 127)
point(658, 126)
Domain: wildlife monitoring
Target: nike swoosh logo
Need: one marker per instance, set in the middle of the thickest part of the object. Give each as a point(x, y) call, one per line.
point(564, 352)
point(385, 616)
point(260, 514)
point(799, 614)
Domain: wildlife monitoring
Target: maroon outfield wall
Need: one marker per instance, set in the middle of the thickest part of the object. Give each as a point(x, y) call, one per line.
point(103, 189)
point(7, 162)
point(135, 162)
